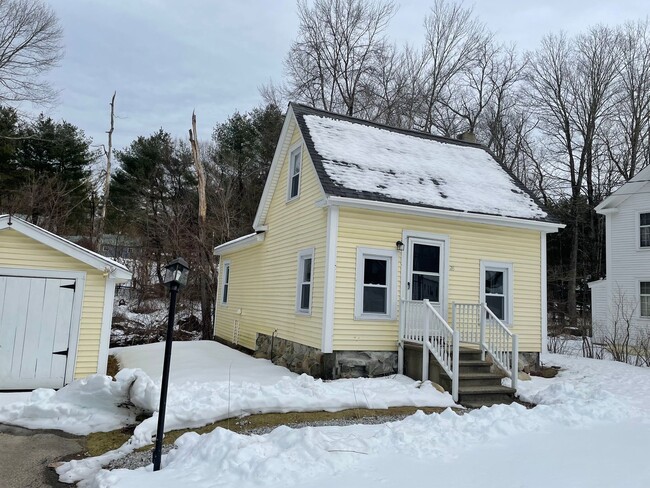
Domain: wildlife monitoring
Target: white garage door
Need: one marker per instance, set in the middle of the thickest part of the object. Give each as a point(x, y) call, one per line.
point(35, 322)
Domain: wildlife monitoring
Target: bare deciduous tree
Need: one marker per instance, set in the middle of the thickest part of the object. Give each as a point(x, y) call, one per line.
point(30, 45)
point(338, 45)
point(454, 41)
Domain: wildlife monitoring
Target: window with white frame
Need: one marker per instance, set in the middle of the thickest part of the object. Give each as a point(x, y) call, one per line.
point(645, 299)
point(294, 173)
point(644, 229)
point(496, 289)
point(225, 285)
point(305, 279)
point(376, 284)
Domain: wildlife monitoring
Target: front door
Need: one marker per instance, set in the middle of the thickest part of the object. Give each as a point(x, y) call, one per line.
point(425, 272)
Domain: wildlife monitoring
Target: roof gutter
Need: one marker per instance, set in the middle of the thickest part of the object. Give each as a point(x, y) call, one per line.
point(548, 227)
point(239, 243)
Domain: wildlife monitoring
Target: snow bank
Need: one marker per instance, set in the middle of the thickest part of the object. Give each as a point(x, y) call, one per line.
point(599, 404)
point(211, 382)
point(93, 404)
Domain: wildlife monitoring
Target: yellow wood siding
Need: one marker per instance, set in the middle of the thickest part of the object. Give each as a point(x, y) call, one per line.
point(262, 288)
point(20, 251)
point(469, 244)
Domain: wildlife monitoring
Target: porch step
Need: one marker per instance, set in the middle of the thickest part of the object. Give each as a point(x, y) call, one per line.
point(477, 385)
point(480, 396)
point(479, 379)
point(474, 366)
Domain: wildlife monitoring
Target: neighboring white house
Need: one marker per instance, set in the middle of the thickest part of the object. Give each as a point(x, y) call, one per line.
point(625, 293)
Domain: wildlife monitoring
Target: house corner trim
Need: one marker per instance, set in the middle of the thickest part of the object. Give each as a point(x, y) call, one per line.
point(327, 343)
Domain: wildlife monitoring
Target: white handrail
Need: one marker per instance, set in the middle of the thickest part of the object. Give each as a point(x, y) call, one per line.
point(423, 324)
point(501, 344)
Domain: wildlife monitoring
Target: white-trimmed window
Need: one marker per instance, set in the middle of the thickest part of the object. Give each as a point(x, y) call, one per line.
point(644, 229)
point(305, 280)
point(225, 284)
point(496, 289)
point(376, 284)
point(295, 163)
point(644, 299)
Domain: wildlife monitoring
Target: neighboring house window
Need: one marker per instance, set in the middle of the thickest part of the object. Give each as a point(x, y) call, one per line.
point(376, 284)
point(644, 229)
point(226, 283)
point(294, 173)
point(645, 299)
point(496, 289)
point(305, 279)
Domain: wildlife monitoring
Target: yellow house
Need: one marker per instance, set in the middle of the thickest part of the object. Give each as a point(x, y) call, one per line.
point(56, 304)
point(369, 238)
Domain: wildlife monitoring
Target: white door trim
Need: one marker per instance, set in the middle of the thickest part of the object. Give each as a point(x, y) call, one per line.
point(439, 239)
point(75, 321)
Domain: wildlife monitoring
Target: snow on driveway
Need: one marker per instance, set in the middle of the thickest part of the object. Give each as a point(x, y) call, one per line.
point(589, 430)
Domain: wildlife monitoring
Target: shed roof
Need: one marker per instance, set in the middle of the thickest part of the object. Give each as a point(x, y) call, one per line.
point(116, 270)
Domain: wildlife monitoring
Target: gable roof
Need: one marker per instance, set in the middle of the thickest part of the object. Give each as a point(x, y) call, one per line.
point(363, 160)
point(634, 185)
point(117, 271)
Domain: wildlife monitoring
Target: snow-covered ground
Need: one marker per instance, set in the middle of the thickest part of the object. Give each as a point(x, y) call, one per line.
point(590, 429)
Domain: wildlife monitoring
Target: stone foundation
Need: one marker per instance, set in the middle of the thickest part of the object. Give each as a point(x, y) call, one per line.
point(338, 364)
point(529, 361)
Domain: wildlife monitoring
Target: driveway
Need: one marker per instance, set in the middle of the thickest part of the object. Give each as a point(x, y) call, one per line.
point(26, 454)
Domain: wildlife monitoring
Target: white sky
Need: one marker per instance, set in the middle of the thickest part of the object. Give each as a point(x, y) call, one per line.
point(168, 57)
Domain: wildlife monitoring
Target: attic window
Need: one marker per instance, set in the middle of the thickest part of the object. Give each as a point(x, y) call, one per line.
point(644, 229)
point(294, 173)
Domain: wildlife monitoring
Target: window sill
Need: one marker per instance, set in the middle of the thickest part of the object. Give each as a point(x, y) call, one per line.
point(370, 318)
point(290, 200)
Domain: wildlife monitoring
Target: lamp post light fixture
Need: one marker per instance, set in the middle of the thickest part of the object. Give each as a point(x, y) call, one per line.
point(175, 278)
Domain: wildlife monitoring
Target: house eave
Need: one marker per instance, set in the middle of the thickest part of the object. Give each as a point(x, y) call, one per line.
point(548, 227)
point(239, 243)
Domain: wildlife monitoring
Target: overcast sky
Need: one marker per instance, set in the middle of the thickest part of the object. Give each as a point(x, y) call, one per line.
point(168, 57)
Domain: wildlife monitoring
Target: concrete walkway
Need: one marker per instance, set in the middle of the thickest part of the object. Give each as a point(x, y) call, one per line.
point(26, 454)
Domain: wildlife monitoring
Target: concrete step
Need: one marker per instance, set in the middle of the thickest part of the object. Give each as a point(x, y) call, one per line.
point(474, 366)
point(478, 396)
point(479, 379)
point(469, 355)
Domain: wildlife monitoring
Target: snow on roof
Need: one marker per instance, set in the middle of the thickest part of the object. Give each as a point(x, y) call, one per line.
point(416, 168)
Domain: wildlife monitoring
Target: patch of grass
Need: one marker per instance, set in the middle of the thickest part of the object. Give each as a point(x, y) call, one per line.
point(101, 442)
point(112, 366)
point(546, 372)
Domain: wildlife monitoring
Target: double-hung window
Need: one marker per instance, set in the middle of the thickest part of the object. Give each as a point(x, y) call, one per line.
point(376, 284)
point(305, 280)
point(295, 159)
point(644, 230)
point(225, 285)
point(496, 289)
point(644, 299)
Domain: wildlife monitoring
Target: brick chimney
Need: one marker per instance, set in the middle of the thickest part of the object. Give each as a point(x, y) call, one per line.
point(467, 136)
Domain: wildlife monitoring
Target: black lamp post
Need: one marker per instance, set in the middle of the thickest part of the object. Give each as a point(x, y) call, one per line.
point(176, 274)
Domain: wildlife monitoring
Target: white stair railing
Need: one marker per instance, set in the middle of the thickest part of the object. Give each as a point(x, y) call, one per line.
point(422, 324)
point(501, 344)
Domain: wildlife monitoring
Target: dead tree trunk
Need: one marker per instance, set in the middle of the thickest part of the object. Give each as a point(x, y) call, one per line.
point(108, 152)
point(203, 247)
